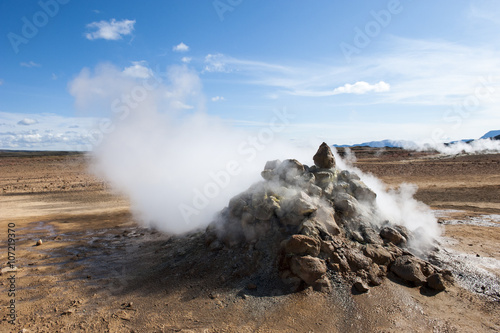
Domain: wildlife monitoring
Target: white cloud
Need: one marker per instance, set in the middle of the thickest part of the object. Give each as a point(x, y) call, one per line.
point(112, 30)
point(360, 87)
point(218, 98)
point(29, 64)
point(27, 121)
point(180, 48)
point(138, 70)
point(186, 60)
point(216, 63)
point(50, 132)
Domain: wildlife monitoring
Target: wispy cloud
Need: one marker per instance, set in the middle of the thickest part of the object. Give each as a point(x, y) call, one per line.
point(27, 121)
point(1, 82)
point(180, 48)
point(110, 30)
point(138, 70)
point(29, 64)
point(186, 60)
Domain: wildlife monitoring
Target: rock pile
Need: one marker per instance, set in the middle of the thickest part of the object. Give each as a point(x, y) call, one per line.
point(314, 224)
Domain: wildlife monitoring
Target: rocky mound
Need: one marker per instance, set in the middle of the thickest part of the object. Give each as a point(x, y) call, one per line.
point(314, 225)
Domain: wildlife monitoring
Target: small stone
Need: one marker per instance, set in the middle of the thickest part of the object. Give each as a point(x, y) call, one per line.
point(39, 242)
point(251, 286)
point(360, 285)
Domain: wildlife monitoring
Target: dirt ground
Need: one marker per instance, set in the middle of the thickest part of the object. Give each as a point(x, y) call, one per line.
point(98, 270)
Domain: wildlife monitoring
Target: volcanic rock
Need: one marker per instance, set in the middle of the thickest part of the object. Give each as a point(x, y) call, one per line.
point(360, 286)
point(307, 268)
point(302, 245)
point(378, 254)
point(408, 268)
point(436, 282)
point(391, 235)
point(324, 157)
point(312, 225)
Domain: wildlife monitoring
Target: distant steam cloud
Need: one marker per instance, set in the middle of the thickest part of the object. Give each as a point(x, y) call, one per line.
point(110, 30)
point(480, 146)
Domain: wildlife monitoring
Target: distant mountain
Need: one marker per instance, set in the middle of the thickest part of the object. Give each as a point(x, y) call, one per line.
point(495, 135)
point(491, 134)
point(383, 143)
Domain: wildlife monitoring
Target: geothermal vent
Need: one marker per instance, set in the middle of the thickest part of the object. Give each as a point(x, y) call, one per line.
point(311, 226)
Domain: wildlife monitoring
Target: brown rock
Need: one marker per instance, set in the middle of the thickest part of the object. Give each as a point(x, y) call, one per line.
point(378, 254)
point(302, 245)
point(324, 157)
point(391, 235)
point(360, 285)
point(356, 260)
point(308, 268)
point(408, 268)
point(323, 285)
point(436, 282)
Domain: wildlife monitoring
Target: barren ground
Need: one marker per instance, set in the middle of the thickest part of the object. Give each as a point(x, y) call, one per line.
point(98, 270)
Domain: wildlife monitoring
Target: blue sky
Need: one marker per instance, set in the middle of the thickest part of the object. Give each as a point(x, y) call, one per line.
point(349, 72)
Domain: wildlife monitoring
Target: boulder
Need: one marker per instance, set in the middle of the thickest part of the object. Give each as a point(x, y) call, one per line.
point(362, 192)
point(391, 235)
point(325, 217)
point(271, 165)
point(324, 157)
point(303, 204)
point(301, 245)
point(356, 260)
point(323, 285)
point(378, 254)
point(307, 268)
point(408, 268)
point(289, 169)
point(346, 204)
point(436, 282)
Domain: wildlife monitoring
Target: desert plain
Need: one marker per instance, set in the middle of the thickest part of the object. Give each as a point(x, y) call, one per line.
point(98, 269)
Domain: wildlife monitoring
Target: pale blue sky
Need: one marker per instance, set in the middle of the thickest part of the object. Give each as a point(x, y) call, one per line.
point(349, 71)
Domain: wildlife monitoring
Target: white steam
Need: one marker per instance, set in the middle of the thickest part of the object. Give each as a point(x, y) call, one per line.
point(398, 206)
point(178, 165)
point(481, 146)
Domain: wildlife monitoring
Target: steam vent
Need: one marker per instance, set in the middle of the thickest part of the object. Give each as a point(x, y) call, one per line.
point(317, 226)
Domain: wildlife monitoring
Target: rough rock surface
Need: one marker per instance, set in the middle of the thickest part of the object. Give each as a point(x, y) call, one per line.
point(324, 157)
point(314, 225)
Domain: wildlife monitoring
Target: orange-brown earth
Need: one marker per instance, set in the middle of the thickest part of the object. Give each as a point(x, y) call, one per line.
point(98, 270)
